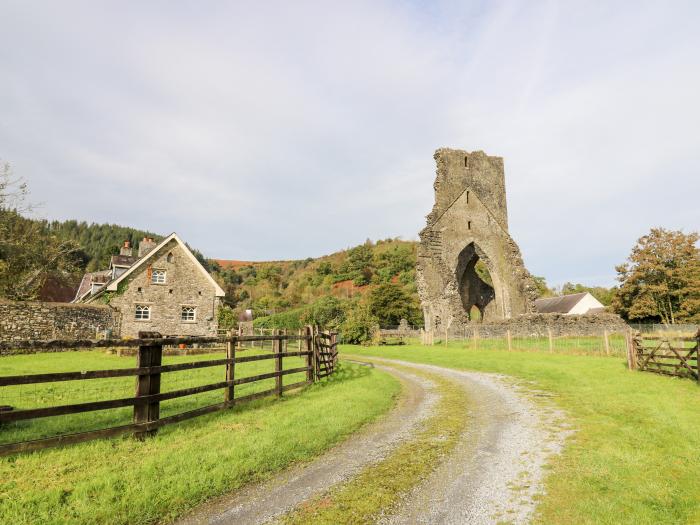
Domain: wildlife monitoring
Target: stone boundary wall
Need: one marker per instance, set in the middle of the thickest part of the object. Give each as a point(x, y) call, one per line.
point(36, 321)
point(539, 325)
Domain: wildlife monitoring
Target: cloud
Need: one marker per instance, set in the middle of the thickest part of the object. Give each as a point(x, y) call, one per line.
point(286, 130)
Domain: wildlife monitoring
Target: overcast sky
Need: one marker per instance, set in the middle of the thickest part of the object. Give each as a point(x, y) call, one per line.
point(267, 130)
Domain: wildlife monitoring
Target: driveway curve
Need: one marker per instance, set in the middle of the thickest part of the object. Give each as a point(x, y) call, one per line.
point(493, 474)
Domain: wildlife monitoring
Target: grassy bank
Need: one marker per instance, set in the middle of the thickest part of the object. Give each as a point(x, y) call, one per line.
point(126, 481)
point(635, 456)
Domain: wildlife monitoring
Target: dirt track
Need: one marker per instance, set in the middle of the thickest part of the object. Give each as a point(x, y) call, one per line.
point(492, 475)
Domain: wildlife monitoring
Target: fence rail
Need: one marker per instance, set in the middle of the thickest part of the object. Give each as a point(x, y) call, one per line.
point(318, 350)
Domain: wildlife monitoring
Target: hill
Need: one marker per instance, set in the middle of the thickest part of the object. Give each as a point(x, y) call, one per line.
point(293, 287)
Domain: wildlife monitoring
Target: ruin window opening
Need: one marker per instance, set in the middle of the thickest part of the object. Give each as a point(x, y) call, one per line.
point(170, 257)
point(476, 288)
point(469, 225)
point(466, 162)
point(467, 196)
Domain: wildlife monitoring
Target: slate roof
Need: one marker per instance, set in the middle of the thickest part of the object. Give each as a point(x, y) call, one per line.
point(122, 260)
point(99, 277)
point(558, 305)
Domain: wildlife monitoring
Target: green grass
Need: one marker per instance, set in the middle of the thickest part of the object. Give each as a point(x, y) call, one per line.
point(127, 481)
point(69, 392)
point(377, 488)
point(636, 455)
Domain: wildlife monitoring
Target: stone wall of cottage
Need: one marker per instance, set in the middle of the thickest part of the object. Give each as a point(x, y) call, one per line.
point(31, 321)
point(185, 286)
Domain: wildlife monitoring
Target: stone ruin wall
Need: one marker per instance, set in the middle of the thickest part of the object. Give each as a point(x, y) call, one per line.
point(539, 325)
point(35, 321)
point(467, 227)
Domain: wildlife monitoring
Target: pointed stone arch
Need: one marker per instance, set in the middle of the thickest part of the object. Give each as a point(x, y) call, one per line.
point(468, 226)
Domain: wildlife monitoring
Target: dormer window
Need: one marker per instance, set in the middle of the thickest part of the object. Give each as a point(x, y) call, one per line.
point(158, 277)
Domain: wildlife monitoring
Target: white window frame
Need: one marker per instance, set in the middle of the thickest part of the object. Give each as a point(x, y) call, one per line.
point(156, 276)
point(140, 310)
point(192, 309)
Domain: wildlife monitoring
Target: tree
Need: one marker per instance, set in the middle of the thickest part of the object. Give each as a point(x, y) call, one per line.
point(359, 326)
point(327, 312)
point(29, 253)
point(542, 289)
point(661, 279)
point(389, 303)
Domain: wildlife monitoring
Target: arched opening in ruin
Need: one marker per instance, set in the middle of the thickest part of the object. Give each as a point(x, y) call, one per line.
point(476, 288)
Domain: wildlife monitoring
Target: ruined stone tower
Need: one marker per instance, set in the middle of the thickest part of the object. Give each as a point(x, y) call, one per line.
point(468, 265)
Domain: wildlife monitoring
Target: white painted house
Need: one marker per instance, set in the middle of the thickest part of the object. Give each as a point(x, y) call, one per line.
point(572, 304)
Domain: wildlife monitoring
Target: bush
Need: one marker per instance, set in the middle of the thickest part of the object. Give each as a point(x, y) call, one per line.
point(359, 326)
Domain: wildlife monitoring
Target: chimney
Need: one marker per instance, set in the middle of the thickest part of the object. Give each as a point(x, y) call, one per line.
point(126, 249)
point(146, 245)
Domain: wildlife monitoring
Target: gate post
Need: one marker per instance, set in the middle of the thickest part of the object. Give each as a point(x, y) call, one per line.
point(308, 331)
point(148, 384)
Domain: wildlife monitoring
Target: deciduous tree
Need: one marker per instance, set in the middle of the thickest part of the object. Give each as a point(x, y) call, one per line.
point(661, 279)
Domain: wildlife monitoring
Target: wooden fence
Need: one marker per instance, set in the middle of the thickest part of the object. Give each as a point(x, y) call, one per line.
point(318, 349)
point(677, 356)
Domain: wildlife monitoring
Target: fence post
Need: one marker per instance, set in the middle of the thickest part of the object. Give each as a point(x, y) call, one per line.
point(277, 348)
point(697, 355)
point(300, 332)
point(240, 333)
point(149, 384)
point(446, 335)
point(510, 346)
point(607, 342)
point(309, 353)
point(551, 339)
point(475, 336)
point(230, 367)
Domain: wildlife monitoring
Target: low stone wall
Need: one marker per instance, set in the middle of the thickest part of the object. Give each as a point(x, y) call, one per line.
point(33, 321)
point(539, 325)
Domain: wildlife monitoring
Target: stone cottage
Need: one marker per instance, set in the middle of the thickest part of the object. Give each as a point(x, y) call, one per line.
point(164, 288)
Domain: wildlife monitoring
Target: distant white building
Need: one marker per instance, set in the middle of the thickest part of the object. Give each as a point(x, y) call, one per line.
point(575, 303)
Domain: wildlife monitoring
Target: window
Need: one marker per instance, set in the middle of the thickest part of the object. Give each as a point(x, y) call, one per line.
point(466, 162)
point(143, 312)
point(467, 196)
point(469, 225)
point(188, 313)
point(158, 277)
point(170, 257)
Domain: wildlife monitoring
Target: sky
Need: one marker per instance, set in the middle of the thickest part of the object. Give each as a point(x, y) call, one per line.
point(282, 130)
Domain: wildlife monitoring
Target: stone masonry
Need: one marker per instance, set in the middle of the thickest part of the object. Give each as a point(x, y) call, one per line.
point(185, 286)
point(467, 232)
point(31, 321)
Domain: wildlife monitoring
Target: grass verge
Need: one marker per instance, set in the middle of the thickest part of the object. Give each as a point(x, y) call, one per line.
point(127, 481)
point(634, 458)
point(379, 487)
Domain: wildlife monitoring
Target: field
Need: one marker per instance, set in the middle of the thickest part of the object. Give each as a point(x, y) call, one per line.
point(127, 481)
point(634, 457)
point(66, 392)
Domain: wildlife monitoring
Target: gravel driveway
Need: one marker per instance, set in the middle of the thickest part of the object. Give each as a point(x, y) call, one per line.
point(491, 476)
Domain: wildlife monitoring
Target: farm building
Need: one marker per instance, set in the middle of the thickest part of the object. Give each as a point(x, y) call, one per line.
point(575, 303)
point(164, 288)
